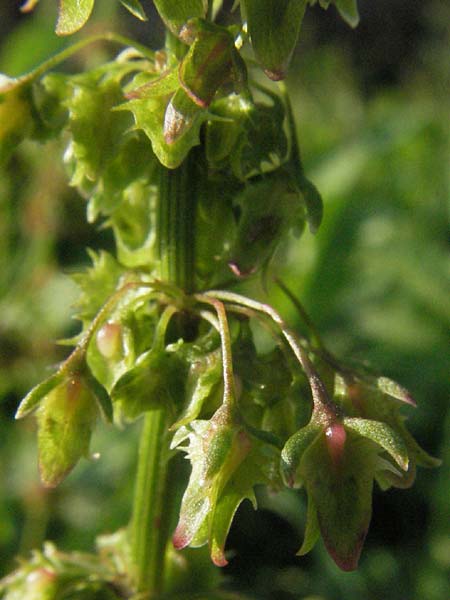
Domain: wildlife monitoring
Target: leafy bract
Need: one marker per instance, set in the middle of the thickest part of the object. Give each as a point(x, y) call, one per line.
point(342, 495)
point(274, 27)
point(65, 417)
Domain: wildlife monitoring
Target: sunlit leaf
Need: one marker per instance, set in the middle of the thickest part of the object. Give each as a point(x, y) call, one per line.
point(383, 435)
point(72, 15)
point(135, 8)
point(65, 419)
point(274, 26)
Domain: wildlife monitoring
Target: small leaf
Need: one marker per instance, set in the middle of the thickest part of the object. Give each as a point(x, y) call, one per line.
point(312, 531)
point(72, 15)
point(274, 26)
point(65, 419)
point(135, 8)
point(348, 9)
point(392, 388)
point(293, 451)
point(208, 64)
point(383, 435)
point(313, 203)
point(176, 14)
point(34, 397)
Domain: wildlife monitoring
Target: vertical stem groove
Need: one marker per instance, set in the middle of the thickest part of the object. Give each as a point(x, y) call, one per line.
point(151, 518)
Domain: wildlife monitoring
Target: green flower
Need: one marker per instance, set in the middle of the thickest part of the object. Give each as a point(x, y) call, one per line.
point(338, 456)
point(66, 407)
point(227, 461)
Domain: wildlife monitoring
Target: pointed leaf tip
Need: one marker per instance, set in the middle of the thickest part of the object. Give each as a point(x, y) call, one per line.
point(395, 390)
point(384, 436)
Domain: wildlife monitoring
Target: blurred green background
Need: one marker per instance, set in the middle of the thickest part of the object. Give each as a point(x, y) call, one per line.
point(373, 108)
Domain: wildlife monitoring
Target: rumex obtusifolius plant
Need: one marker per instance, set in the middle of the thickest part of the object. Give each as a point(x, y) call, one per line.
point(197, 170)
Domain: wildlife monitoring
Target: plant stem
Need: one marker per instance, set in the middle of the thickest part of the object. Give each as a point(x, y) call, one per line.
point(152, 509)
point(176, 224)
point(150, 522)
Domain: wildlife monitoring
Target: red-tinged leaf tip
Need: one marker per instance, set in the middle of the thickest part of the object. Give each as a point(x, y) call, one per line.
point(348, 562)
point(335, 438)
point(180, 540)
point(219, 559)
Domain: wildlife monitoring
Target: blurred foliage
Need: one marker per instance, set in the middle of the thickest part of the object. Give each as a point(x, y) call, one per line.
point(374, 280)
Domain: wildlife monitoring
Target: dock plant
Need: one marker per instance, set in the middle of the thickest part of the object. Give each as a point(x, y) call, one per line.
point(190, 155)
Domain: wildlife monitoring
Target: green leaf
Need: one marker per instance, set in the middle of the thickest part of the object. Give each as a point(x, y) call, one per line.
point(208, 64)
point(97, 284)
point(150, 115)
point(34, 397)
point(313, 203)
point(97, 131)
point(133, 223)
point(312, 531)
point(342, 495)
point(72, 15)
point(156, 380)
point(204, 381)
point(176, 14)
point(135, 8)
point(247, 135)
point(392, 388)
point(65, 419)
point(383, 435)
point(348, 10)
point(274, 26)
point(16, 121)
point(293, 451)
point(269, 208)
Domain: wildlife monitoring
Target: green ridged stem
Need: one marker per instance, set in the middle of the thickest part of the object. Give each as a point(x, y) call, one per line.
point(153, 500)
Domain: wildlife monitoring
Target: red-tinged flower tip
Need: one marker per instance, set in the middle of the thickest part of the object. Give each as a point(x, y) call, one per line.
point(109, 339)
point(335, 439)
